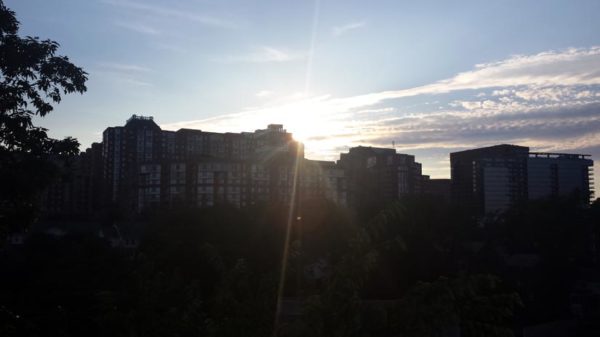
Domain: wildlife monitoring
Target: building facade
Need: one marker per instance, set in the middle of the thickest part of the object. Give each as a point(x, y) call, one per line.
point(124, 149)
point(560, 174)
point(377, 176)
point(437, 187)
point(139, 166)
point(146, 167)
point(78, 190)
point(494, 178)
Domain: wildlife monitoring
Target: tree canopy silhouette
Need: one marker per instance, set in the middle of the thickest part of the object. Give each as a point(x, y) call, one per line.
point(32, 78)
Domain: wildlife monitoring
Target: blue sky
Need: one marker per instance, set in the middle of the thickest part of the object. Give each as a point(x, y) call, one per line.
point(432, 76)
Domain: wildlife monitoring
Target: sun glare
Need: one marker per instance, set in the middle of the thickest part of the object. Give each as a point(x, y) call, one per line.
point(313, 123)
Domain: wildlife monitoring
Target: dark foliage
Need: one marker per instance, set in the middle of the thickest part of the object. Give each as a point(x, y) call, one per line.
point(32, 78)
point(216, 272)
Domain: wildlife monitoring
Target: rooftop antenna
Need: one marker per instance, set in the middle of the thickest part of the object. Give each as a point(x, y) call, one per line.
point(394, 144)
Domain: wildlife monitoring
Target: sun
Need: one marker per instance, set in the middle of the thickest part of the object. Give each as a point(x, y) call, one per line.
point(318, 122)
point(317, 128)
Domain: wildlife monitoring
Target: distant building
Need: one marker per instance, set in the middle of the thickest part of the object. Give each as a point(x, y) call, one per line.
point(490, 178)
point(437, 187)
point(494, 178)
point(560, 174)
point(208, 182)
point(376, 176)
point(323, 179)
point(124, 149)
point(146, 167)
point(77, 192)
point(139, 166)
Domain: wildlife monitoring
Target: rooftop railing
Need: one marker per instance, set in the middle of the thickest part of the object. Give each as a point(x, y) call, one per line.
point(558, 155)
point(139, 117)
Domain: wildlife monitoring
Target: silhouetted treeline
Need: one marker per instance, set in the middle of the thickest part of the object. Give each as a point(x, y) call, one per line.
point(419, 267)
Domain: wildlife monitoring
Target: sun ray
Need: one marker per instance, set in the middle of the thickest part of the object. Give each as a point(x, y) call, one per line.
point(286, 245)
point(311, 50)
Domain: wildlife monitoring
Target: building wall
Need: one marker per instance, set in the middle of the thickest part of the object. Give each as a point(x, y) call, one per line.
point(496, 188)
point(495, 178)
point(194, 168)
point(139, 166)
point(559, 175)
point(78, 190)
point(376, 176)
point(124, 150)
point(469, 179)
point(437, 187)
point(322, 179)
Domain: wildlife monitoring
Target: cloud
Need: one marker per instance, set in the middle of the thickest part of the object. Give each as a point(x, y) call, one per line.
point(138, 28)
point(172, 13)
point(263, 54)
point(122, 67)
point(341, 30)
point(134, 82)
point(169, 47)
point(131, 74)
point(549, 101)
point(575, 66)
point(264, 93)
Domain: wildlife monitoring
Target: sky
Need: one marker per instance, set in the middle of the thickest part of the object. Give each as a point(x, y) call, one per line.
point(427, 77)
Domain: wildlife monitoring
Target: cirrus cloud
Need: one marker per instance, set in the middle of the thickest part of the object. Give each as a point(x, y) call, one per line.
point(341, 30)
point(549, 101)
point(264, 54)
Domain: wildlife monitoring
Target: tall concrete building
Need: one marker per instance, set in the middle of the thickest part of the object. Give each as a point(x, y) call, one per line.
point(376, 176)
point(78, 191)
point(124, 148)
point(560, 174)
point(437, 187)
point(494, 178)
point(146, 167)
point(323, 180)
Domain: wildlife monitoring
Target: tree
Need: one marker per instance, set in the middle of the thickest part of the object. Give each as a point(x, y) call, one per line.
point(32, 78)
point(476, 305)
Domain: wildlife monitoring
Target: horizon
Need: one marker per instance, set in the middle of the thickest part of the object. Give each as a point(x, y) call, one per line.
point(171, 128)
point(431, 78)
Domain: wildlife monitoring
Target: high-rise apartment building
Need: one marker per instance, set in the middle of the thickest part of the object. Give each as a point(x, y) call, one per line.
point(124, 149)
point(497, 177)
point(78, 190)
point(140, 166)
point(146, 167)
point(324, 180)
point(560, 174)
point(437, 187)
point(490, 178)
point(377, 176)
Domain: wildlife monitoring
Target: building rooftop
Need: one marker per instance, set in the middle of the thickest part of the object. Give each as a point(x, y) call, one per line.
point(143, 121)
point(558, 155)
point(141, 118)
point(378, 150)
point(498, 150)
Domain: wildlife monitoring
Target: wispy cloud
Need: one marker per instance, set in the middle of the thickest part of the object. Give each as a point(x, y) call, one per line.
point(173, 13)
point(341, 30)
point(264, 93)
point(123, 67)
point(263, 54)
point(138, 28)
point(169, 47)
point(549, 101)
point(134, 82)
point(131, 74)
point(575, 66)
